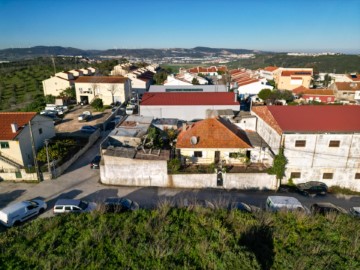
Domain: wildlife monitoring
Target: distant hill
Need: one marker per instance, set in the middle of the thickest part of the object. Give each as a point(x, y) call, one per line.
point(39, 51)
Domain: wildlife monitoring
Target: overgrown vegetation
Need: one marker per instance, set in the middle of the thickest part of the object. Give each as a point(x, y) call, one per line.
point(97, 104)
point(279, 165)
point(171, 238)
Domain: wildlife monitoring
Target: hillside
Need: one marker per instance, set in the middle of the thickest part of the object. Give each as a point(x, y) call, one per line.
point(325, 63)
point(183, 239)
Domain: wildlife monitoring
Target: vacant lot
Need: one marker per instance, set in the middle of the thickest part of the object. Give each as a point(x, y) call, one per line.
point(71, 123)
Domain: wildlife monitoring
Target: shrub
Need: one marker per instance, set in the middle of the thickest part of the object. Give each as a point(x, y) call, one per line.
point(97, 104)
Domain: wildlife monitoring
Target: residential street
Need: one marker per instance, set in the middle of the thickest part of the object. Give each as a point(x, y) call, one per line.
point(81, 182)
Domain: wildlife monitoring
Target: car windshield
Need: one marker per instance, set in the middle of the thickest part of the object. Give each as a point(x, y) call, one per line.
point(83, 205)
point(33, 203)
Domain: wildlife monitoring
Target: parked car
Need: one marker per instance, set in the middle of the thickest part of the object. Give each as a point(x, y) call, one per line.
point(88, 129)
point(73, 206)
point(355, 211)
point(312, 188)
point(325, 208)
point(85, 116)
point(118, 205)
point(19, 212)
point(46, 112)
point(278, 203)
point(95, 163)
point(243, 207)
point(54, 117)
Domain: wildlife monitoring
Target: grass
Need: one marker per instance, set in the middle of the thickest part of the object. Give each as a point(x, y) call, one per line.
point(341, 190)
point(179, 238)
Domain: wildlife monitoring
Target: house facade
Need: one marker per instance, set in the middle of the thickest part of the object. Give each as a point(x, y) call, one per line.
point(347, 92)
point(268, 72)
point(207, 71)
point(291, 78)
point(15, 138)
point(109, 89)
point(318, 95)
point(216, 140)
point(320, 142)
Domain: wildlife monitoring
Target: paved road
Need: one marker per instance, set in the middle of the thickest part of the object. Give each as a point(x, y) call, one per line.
point(80, 182)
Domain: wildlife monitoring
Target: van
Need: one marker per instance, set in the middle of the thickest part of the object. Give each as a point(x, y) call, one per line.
point(19, 212)
point(277, 203)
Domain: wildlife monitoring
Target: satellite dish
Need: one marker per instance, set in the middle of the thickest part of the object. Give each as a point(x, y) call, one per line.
point(193, 140)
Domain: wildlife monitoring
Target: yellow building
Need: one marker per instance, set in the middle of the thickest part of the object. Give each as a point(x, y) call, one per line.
point(291, 78)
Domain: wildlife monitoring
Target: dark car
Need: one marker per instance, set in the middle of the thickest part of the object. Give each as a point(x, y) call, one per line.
point(88, 129)
point(312, 188)
point(95, 163)
point(118, 205)
point(243, 207)
point(326, 208)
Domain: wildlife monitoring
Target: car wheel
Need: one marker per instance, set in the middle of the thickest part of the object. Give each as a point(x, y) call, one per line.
point(41, 211)
point(17, 223)
point(305, 193)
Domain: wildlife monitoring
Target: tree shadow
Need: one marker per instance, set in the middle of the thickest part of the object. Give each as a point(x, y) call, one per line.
point(259, 240)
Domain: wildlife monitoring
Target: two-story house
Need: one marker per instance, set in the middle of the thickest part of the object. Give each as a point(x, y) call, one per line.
point(291, 78)
point(320, 142)
point(346, 92)
point(16, 138)
point(110, 89)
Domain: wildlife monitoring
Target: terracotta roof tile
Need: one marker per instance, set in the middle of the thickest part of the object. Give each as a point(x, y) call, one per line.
point(311, 119)
point(189, 98)
point(348, 86)
point(300, 89)
point(101, 79)
point(270, 68)
point(296, 73)
point(213, 133)
point(7, 118)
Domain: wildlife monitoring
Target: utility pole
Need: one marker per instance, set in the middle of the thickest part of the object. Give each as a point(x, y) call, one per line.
point(34, 152)
point(47, 156)
point(53, 61)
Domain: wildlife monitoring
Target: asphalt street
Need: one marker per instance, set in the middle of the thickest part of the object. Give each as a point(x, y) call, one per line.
point(81, 182)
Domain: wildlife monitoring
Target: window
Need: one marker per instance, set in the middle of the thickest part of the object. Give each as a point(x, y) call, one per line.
point(328, 175)
point(40, 130)
point(18, 175)
point(4, 145)
point(295, 175)
point(300, 143)
point(334, 143)
point(67, 208)
point(233, 155)
point(198, 154)
point(357, 175)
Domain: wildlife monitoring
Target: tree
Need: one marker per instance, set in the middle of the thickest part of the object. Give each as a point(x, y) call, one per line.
point(279, 165)
point(49, 99)
point(160, 77)
point(113, 89)
point(327, 80)
point(68, 94)
point(265, 94)
point(97, 104)
point(195, 81)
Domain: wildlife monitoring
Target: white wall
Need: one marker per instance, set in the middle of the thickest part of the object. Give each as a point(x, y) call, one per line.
point(253, 88)
point(54, 86)
point(185, 112)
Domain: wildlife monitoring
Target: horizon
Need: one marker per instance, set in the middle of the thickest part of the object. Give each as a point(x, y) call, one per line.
point(272, 27)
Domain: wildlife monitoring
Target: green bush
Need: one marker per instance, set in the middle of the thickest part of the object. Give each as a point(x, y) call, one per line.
point(97, 104)
point(170, 238)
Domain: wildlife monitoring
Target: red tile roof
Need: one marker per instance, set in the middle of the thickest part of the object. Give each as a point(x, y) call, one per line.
point(300, 89)
point(213, 133)
point(207, 69)
point(348, 86)
point(355, 78)
point(319, 92)
point(270, 68)
point(296, 72)
point(311, 119)
point(101, 79)
point(186, 98)
point(7, 118)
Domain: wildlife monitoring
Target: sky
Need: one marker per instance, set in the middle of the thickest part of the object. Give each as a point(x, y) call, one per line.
point(268, 25)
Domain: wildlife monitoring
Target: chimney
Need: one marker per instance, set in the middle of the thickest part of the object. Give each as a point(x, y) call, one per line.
point(184, 126)
point(14, 127)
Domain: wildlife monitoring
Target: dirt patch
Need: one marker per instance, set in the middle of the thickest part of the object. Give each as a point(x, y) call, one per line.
point(70, 122)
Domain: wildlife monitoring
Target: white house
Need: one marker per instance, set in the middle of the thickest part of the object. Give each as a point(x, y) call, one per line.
point(186, 105)
point(268, 72)
point(320, 142)
point(109, 89)
point(16, 143)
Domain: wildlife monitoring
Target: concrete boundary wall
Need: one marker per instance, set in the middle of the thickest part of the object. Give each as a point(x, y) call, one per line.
point(59, 170)
point(11, 176)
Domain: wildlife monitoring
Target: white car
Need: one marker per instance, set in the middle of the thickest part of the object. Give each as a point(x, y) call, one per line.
point(355, 211)
point(73, 206)
point(19, 212)
point(85, 116)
